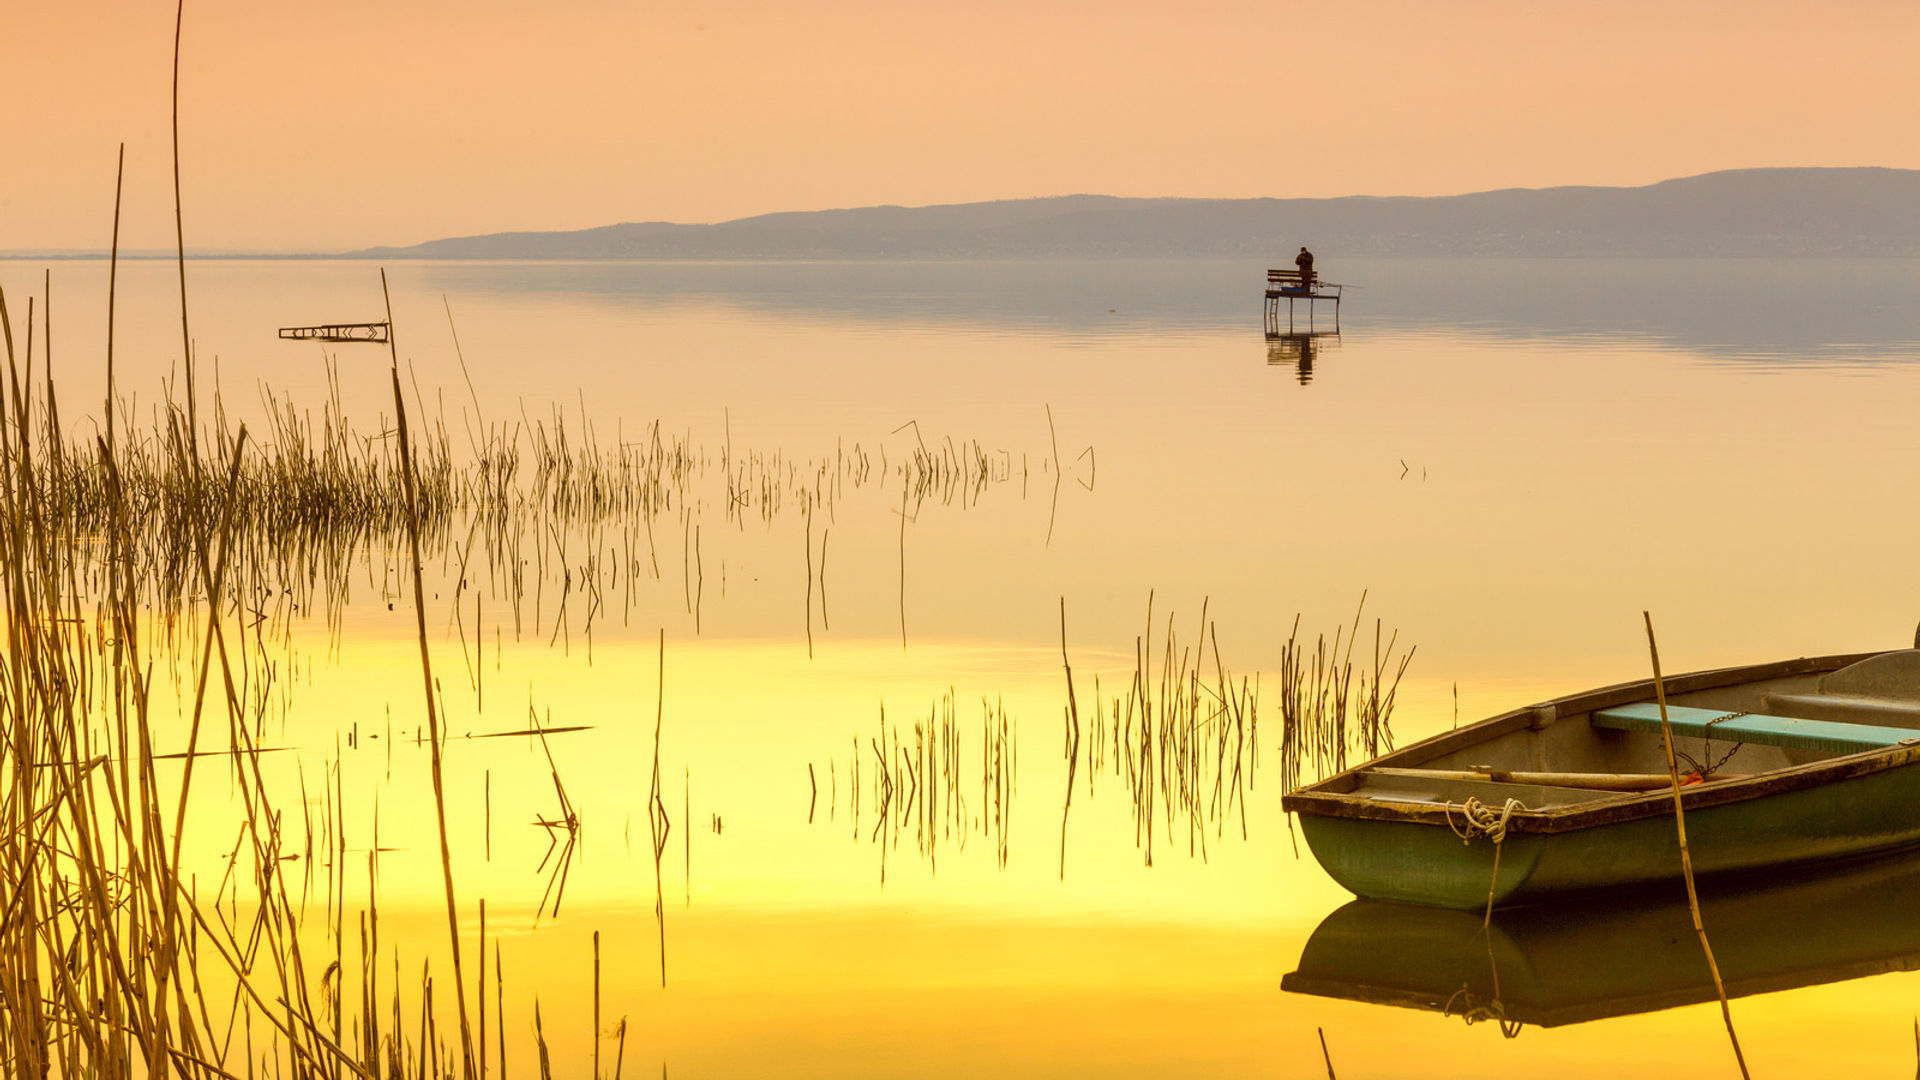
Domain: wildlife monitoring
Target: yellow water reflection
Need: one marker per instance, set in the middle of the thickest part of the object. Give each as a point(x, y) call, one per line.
point(886, 990)
point(738, 749)
point(780, 938)
point(1508, 503)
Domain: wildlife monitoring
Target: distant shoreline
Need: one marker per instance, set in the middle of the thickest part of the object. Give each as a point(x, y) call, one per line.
point(1747, 213)
point(1275, 258)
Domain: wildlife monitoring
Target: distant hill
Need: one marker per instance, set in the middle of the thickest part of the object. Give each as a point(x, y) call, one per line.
point(1746, 212)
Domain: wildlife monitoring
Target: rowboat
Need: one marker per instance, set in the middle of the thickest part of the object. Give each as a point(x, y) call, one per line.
point(1795, 762)
point(1609, 956)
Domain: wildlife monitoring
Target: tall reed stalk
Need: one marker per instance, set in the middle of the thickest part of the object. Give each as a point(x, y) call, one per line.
point(1686, 857)
point(426, 675)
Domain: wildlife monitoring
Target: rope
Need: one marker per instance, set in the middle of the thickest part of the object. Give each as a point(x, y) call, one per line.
point(1479, 819)
point(1474, 1012)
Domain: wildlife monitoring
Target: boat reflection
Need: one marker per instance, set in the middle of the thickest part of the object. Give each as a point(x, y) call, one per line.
point(1570, 963)
point(1300, 349)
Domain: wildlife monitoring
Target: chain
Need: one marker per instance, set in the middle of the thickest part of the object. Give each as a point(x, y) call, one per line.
point(1712, 766)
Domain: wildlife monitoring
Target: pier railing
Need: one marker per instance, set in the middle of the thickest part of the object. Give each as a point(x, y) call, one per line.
point(1292, 282)
point(376, 332)
point(1292, 285)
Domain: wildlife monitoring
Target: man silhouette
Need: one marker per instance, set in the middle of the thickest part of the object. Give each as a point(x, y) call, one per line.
point(1304, 261)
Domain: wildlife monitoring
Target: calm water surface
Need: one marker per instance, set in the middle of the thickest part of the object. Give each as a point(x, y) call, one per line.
point(1509, 459)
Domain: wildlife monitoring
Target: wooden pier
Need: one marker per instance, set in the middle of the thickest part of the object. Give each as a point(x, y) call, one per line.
point(1289, 285)
point(377, 332)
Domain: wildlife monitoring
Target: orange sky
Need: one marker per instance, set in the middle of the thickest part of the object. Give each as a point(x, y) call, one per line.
point(348, 123)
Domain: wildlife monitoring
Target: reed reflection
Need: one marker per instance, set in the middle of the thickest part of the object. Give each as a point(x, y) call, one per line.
point(1181, 736)
point(918, 784)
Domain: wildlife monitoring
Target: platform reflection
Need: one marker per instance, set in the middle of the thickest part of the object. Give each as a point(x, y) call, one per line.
point(1300, 350)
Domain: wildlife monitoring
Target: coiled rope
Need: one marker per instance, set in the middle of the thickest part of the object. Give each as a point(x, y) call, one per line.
point(1479, 819)
point(1474, 1011)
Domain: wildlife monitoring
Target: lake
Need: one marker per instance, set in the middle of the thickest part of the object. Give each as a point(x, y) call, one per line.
point(804, 554)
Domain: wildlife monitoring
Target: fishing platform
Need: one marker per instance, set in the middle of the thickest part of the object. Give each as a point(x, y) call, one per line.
point(1293, 286)
point(377, 332)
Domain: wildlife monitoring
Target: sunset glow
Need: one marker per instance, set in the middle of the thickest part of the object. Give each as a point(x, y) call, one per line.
point(351, 124)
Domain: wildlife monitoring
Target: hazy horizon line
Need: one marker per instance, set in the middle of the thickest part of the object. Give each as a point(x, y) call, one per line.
point(148, 254)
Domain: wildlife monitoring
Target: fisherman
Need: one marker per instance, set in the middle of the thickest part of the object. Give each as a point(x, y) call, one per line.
point(1304, 261)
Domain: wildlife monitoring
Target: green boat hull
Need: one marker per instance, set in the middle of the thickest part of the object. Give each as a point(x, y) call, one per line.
point(1428, 863)
point(1620, 954)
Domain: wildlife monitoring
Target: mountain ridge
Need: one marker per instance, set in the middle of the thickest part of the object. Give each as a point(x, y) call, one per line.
point(1867, 210)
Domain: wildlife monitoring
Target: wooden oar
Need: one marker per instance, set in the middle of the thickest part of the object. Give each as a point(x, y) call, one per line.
point(1588, 780)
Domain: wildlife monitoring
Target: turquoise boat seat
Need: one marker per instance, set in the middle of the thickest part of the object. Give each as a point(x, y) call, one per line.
point(1787, 731)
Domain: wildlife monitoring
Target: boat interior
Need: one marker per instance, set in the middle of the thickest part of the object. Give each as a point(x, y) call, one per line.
point(1597, 746)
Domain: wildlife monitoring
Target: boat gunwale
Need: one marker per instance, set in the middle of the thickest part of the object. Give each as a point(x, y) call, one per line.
point(1333, 796)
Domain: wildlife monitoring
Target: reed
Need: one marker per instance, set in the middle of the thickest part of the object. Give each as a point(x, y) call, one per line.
point(1182, 739)
point(433, 714)
point(158, 552)
point(314, 494)
point(187, 548)
point(109, 946)
point(659, 823)
point(563, 829)
point(809, 551)
point(917, 784)
point(1328, 719)
point(596, 1005)
point(1072, 717)
point(540, 1041)
point(1686, 857)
